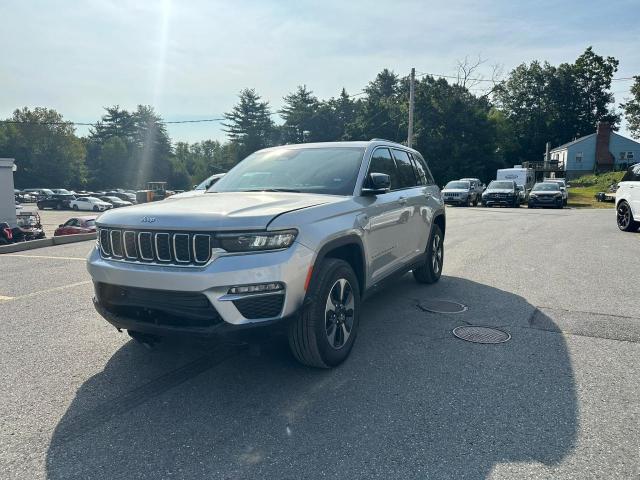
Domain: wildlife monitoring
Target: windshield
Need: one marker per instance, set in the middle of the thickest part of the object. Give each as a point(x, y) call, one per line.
point(498, 184)
point(546, 187)
point(90, 223)
point(330, 171)
point(457, 185)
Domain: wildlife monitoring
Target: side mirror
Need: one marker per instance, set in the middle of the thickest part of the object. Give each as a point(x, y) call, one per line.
point(376, 183)
point(60, 226)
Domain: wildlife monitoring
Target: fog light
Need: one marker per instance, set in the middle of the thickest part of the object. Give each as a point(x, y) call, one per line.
point(256, 288)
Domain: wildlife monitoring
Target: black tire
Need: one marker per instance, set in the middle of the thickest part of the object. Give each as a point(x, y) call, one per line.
point(475, 201)
point(310, 337)
point(96, 209)
point(516, 203)
point(75, 207)
point(58, 206)
point(624, 217)
point(40, 207)
point(431, 270)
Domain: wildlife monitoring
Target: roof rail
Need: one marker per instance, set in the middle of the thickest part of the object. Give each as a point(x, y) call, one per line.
point(384, 140)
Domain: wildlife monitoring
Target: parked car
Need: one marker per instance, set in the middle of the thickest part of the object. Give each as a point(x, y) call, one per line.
point(116, 202)
point(63, 191)
point(317, 230)
point(628, 200)
point(476, 184)
point(501, 192)
point(563, 188)
point(76, 225)
point(55, 201)
point(200, 188)
point(38, 193)
point(460, 192)
point(90, 203)
point(125, 196)
point(546, 194)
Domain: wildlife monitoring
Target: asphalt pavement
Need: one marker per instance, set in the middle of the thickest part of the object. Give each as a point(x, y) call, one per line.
point(559, 400)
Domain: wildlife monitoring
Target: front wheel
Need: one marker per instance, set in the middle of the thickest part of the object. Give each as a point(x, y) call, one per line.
point(475, 202)
point(624, 217)
point(96, 209)
point(431, 270)
point(75, 207)
point(323, 333)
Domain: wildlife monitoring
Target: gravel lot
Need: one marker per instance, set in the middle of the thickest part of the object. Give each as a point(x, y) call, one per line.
point(560, 400)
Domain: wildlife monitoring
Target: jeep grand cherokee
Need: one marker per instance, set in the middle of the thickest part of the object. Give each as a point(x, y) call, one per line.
point(299, 233)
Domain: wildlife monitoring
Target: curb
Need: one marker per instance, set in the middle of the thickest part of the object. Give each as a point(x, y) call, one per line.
point(47, 242)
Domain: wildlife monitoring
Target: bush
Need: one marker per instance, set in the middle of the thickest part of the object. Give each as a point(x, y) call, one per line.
point(602, 180)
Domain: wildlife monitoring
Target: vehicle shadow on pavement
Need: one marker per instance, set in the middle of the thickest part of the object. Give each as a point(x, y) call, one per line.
point(412, 401)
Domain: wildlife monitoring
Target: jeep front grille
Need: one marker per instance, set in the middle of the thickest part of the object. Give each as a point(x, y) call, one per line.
point(162, 248)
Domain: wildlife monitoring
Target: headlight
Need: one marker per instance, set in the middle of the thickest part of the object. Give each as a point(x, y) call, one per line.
point(533, 195)
point(558, 195)
point(258, 241)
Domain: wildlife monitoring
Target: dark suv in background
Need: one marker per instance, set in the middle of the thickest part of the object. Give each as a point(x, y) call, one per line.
point(501, 192)
point(56, 201)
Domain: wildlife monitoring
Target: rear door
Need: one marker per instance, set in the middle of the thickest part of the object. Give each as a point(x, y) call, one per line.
point(431, 193)
point(634, 191)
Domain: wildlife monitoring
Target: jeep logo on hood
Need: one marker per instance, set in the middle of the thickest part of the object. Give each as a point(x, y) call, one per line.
point(148, 219)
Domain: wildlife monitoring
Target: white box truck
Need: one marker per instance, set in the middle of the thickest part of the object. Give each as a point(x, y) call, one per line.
point(525, 177)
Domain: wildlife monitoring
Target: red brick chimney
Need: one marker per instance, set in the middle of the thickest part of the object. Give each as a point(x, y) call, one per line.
point(604, 158)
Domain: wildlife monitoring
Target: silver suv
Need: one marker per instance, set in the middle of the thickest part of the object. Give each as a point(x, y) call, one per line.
point(299, 233)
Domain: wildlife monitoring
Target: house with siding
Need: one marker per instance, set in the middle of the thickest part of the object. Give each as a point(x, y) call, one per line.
point(602, 151)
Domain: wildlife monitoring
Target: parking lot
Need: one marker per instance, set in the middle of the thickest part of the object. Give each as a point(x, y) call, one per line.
point(560, 399)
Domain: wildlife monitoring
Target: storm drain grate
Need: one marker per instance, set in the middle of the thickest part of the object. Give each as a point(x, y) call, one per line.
point(441, 306)
point(477, 334)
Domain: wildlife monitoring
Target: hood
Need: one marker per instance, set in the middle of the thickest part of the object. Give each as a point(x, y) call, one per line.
point(213, 211)
point(190, 193)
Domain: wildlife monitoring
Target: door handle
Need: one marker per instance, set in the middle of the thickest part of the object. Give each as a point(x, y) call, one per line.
point(402, 200)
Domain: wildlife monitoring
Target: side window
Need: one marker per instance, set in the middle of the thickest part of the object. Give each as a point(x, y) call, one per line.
point(632, 174)
point(420, 172)
point(71, 223)
point(420, 161)
point(382, 162)
point(406, 173)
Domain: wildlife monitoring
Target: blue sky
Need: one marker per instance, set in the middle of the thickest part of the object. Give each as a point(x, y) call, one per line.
point(191, 58)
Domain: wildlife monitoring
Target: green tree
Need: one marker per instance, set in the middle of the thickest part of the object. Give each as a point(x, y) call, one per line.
point(382, 113)
point(249, 125)
point(45, 147)
point(632, 108)
point(299, 114)
point(545, 103)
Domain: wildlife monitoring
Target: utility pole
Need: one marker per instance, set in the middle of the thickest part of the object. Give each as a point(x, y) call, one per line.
point(411, 87)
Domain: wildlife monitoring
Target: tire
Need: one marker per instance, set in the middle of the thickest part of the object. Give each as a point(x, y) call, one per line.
point(75, 207)
point(475, 202)
point(468, 202)
point(39, 205)
point(58, 206)
point(516, 204)
point(624, 217)
point(96, 209)
point(323, 333)
point(431, 270)
point(565, 202)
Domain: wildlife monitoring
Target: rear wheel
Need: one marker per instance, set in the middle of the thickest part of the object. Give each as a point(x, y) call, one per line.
point(624, 217)
point(96, 209)
point(75, 207)
point(475, 201)
point(431, 270)
point(323, 334)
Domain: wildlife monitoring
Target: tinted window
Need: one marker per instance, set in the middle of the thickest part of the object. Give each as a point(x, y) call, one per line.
point(420, 172)
point(633, 174)
point(422, 164)
point(406, 173)
point(382, 162)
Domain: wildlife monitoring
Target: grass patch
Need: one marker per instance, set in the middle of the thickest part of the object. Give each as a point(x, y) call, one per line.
point(583, 190)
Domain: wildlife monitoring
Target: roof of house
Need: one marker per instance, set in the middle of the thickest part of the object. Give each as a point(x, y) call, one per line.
point(568, 144)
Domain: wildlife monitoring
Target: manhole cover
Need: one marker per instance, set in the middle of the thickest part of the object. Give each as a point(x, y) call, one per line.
point(442, 306)
point(476, 334)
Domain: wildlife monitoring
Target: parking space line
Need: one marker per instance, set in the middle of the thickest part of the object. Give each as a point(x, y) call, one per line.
point(47, 290)
point(43, 256)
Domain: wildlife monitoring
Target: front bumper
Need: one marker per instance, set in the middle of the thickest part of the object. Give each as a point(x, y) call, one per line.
point(455, 200)
point(489, 201)
point(538, 202)
point(288, 267)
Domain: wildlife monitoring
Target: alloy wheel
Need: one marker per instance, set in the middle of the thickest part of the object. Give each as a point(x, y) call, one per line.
point(339, 313)
point(436, 254)
point(623, 215)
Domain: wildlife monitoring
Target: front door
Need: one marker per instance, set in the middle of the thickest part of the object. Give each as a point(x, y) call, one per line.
point(387, 218)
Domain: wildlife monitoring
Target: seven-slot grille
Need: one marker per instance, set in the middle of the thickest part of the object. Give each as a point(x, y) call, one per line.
point(163, 248)
point(451, 194)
